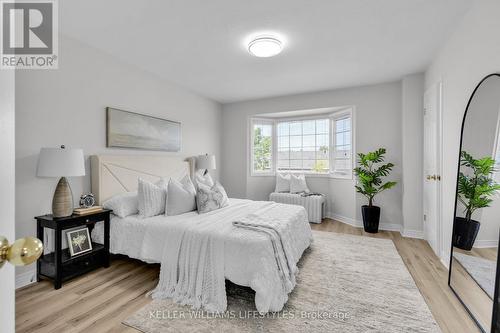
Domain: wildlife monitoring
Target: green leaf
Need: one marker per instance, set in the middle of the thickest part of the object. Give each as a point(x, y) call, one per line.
point(475, 183)
point(370, 173)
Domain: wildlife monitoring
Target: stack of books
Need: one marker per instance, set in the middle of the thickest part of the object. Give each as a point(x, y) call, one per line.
point(89, 210)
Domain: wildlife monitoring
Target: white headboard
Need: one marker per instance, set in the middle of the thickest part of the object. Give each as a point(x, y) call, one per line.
point(115, 174)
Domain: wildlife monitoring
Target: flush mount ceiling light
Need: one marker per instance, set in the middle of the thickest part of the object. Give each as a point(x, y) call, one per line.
point(264, 47)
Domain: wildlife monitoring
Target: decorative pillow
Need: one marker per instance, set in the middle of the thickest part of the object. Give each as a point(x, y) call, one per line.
point(123, 205)
point(151, 198)
point(282, 183)
point(200, 178)
point(211, 198)
point(181, 196)
point(298, 184)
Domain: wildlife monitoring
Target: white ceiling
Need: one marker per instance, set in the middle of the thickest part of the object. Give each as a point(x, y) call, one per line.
point(200, 44)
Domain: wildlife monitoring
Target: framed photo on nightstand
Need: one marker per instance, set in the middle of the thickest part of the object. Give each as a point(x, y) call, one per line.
point(79, 241)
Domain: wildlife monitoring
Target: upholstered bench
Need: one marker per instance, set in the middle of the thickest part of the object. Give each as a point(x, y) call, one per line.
point(314, 204)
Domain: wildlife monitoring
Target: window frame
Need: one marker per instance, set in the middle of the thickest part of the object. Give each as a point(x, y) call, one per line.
point(341, 173)
point(348, 111)
point(267, 121)
point(304, 118)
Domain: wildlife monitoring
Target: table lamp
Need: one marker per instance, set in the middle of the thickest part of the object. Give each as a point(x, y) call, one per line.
point(206, 162)
point(61, 162)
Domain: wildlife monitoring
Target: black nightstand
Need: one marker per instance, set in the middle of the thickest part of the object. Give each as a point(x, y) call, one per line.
point(59, 265)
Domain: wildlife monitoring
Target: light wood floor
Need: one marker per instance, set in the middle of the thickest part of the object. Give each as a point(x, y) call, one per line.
point(477, 300)
point(99, 301)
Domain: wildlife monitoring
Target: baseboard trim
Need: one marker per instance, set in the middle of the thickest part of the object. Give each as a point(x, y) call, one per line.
point(485, 243)
point(25, 279)
point(445, 263)
point(419, 234)
point(382, 226)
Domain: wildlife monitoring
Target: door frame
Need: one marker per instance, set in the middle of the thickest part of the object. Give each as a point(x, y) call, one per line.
point(7, 204)
point(440, 246)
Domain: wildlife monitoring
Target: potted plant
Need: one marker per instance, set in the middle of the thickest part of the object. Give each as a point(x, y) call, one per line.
point(475, 189)
point(370, 184)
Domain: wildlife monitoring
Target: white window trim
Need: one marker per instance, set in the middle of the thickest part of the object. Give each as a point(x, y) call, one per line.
point(250, 131)
point(349, 110)
point(339, 115)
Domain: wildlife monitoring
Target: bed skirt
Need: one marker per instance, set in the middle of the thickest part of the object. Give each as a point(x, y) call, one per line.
point(313, 204)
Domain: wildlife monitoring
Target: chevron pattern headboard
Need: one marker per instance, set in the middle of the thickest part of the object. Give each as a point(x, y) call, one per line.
point(115, 174)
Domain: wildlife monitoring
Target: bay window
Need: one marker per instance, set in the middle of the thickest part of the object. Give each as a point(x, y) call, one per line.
point(321, 145)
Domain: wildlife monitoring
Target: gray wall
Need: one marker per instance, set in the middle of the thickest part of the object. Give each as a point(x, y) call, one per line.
point(470, 53)
point(67, 106)
point(378, 124)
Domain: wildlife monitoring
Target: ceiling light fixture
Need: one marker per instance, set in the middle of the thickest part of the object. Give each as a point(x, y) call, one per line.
point(265, 46)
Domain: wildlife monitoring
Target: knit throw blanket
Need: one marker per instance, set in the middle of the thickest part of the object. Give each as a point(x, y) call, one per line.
point(281, 246)
point(192, 268)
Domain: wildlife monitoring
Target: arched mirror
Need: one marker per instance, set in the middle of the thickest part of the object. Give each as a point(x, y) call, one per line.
point(476, 226)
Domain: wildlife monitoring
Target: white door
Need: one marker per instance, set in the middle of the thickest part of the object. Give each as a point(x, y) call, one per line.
point(7, 201)
point(432, 170)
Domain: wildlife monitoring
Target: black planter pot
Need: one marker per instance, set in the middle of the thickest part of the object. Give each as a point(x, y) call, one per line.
point(371, 218)
point(465, 233)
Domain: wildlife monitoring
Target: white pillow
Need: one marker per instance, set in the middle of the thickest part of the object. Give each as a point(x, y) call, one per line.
point(203, 179)
point(123, 205)
point(211, 198)
point(181, 197)
point(282, 183)
point(298, 184)
point(151, 198)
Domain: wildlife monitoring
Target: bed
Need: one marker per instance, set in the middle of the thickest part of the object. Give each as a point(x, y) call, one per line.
point(248, 256)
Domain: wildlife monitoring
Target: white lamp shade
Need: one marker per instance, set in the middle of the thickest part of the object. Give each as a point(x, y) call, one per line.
point(60, 162)
point(205, 162)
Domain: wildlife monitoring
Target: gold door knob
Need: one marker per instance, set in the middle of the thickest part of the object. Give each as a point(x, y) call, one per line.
point(433, 177)
point(22, 252)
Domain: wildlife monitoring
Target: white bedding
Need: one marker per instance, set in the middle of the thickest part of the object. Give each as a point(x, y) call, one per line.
point(249, 258)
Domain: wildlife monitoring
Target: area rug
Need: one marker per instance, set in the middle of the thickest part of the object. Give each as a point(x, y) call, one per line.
point(483, 271)
point(345, 284)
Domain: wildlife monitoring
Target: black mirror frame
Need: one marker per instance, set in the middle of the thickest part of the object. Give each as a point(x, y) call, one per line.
point(495, 327)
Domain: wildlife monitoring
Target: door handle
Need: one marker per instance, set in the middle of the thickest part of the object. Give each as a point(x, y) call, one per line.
point(22, 252)
point(433, 177)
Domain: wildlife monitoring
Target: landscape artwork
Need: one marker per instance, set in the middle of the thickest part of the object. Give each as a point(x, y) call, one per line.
point(133, 130)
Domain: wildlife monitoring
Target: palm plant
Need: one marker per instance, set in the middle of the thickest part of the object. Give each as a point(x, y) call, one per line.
point(370, 175)
point(476, 188)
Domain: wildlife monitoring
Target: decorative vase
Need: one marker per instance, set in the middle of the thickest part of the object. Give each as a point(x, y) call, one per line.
point(371, 218)
point(465, 233)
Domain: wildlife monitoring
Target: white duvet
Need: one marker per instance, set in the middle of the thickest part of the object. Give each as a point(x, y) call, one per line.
point(248, 256)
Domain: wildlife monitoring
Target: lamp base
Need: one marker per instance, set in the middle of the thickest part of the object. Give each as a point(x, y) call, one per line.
point(62, 202)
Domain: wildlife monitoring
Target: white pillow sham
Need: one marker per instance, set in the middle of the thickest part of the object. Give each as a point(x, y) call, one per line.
point(298, 184)
point(282, 183)
point(151, 197)
point(211, 198)
point(123, 205)
point(181, 197)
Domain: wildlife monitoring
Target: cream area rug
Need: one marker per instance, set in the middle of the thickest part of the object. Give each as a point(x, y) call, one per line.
point(345, 284)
